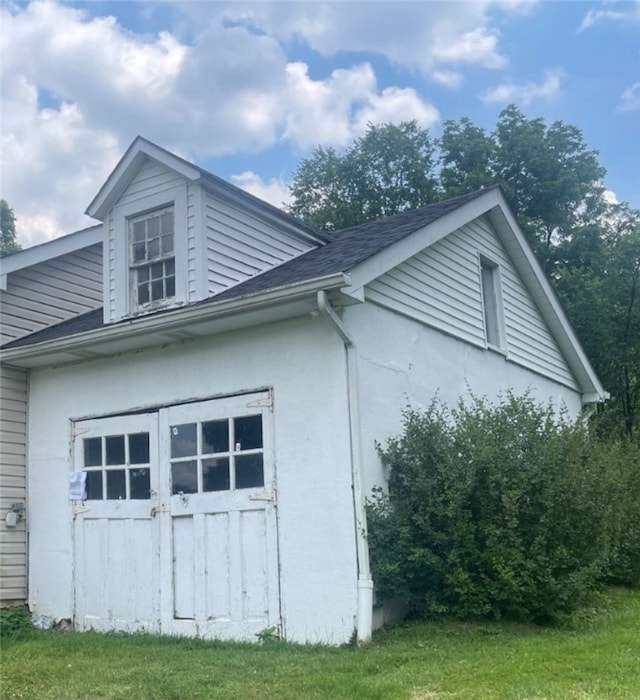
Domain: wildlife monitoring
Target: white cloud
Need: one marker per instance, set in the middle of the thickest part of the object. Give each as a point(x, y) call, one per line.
point(77, 89)
point(275, 190)
point(617, 12)
point(630, 98)
point(448, 78)
point(526, 93)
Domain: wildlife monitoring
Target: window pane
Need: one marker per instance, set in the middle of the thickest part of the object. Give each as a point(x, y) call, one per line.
point(157, 290)
point(93, 452)
point(156, 271)
point(249, 472)
point(143, 274)
point(184, 477)
point(116, 484)
point(139, 483)
point(248, 432)
point(166, 222)
point(171, 286)
point(183, 440)
point(215, 436)
point(153, 226)
point(167, 244)
point(138, 231)
point(169, 267)
point(139, 448)
point(138, 252)
point(215, 474)
point(143, 293)
point(94, 486)
point(115, 449)
point(154, 248)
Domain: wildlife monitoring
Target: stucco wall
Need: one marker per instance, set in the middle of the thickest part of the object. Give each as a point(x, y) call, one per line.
point(403, 362)
point(303, 361)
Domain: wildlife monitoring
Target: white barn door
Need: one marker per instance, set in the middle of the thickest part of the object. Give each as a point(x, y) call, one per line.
point(178, 533)
point(115, 534)
point(219, 541)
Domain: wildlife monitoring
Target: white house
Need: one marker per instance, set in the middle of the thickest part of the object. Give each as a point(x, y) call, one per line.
point(222, 409)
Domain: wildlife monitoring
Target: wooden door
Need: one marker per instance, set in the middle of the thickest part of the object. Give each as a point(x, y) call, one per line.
point(116, 536)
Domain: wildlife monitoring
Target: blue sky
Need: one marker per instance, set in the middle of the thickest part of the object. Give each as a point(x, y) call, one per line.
point(248, 89)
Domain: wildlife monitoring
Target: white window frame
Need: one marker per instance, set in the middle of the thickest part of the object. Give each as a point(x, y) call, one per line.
point(492, 305)
point(118, 279)
point(147, 262)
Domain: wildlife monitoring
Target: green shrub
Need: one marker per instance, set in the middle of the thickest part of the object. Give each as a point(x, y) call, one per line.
point(622, 460)
point(15, 622)
point(492, 511)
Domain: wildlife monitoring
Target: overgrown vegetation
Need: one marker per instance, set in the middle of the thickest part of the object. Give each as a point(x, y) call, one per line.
point(15, 623)
point(416, 661)
point(503, 511)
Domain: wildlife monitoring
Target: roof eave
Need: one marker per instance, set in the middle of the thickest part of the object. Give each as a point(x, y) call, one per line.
point(173, 326)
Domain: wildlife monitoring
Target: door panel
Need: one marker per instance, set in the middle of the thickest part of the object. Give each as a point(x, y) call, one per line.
point(116, 539)
point(222, 541)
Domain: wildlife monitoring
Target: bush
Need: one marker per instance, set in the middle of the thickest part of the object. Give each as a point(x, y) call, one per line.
point(623, 467)
point(15, 623)
point(492, 511)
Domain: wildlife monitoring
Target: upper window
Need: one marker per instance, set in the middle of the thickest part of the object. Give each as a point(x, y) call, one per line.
point(152, 265)
point(491, 303)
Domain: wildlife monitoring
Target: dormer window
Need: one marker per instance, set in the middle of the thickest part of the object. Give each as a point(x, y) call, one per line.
point(152, 266)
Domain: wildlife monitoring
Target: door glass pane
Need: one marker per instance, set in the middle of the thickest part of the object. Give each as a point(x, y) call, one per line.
point(116, 484)
point(93, 452)
point(139, 448)
point(115, 449)
point(249, 472)
point(215, 436)
point(248, 432)
point(94, 486)
point(139, 484)
point(184, 477)
point(215, 474)
point(184, 440)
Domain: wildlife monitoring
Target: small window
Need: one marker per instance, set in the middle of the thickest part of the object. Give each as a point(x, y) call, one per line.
point(491, 303)
point(117, 467)
point(217, 455)
point(152, 266)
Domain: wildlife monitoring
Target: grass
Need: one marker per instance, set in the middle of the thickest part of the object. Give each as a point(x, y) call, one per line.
point(595, 659)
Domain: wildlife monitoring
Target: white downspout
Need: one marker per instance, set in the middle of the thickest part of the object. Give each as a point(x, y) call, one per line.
point(364, 615)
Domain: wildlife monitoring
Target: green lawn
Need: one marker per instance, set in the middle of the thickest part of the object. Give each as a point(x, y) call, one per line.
point(421, 661)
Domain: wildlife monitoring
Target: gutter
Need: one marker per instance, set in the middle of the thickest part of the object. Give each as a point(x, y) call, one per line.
point(364, 614)
point(174, 319)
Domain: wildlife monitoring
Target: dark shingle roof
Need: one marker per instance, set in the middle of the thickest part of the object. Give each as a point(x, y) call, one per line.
point(345, 249)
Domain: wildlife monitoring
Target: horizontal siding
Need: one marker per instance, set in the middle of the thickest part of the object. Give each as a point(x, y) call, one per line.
point(441, 287)
point(240, 245)
point(51, 291)
point(151, 179)
point(13, 542)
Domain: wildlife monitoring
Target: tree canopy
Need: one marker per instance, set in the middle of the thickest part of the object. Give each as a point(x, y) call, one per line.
point(589, 248)
point(8, 243)
point(386, 171)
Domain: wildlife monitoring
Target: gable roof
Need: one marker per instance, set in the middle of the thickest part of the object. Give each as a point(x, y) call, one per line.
point(345, 260)
point(141, 150)
point(346, 249)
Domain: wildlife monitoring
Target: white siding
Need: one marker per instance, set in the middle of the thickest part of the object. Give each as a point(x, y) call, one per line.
point(50, 292)
point(441, 288)
point(13, 541)
point(240, 245)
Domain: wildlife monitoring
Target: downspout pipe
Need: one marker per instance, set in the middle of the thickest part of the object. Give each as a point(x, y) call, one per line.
point(364, 615)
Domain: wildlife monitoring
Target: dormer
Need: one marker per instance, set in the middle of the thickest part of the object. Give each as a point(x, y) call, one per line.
point(175, 234)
